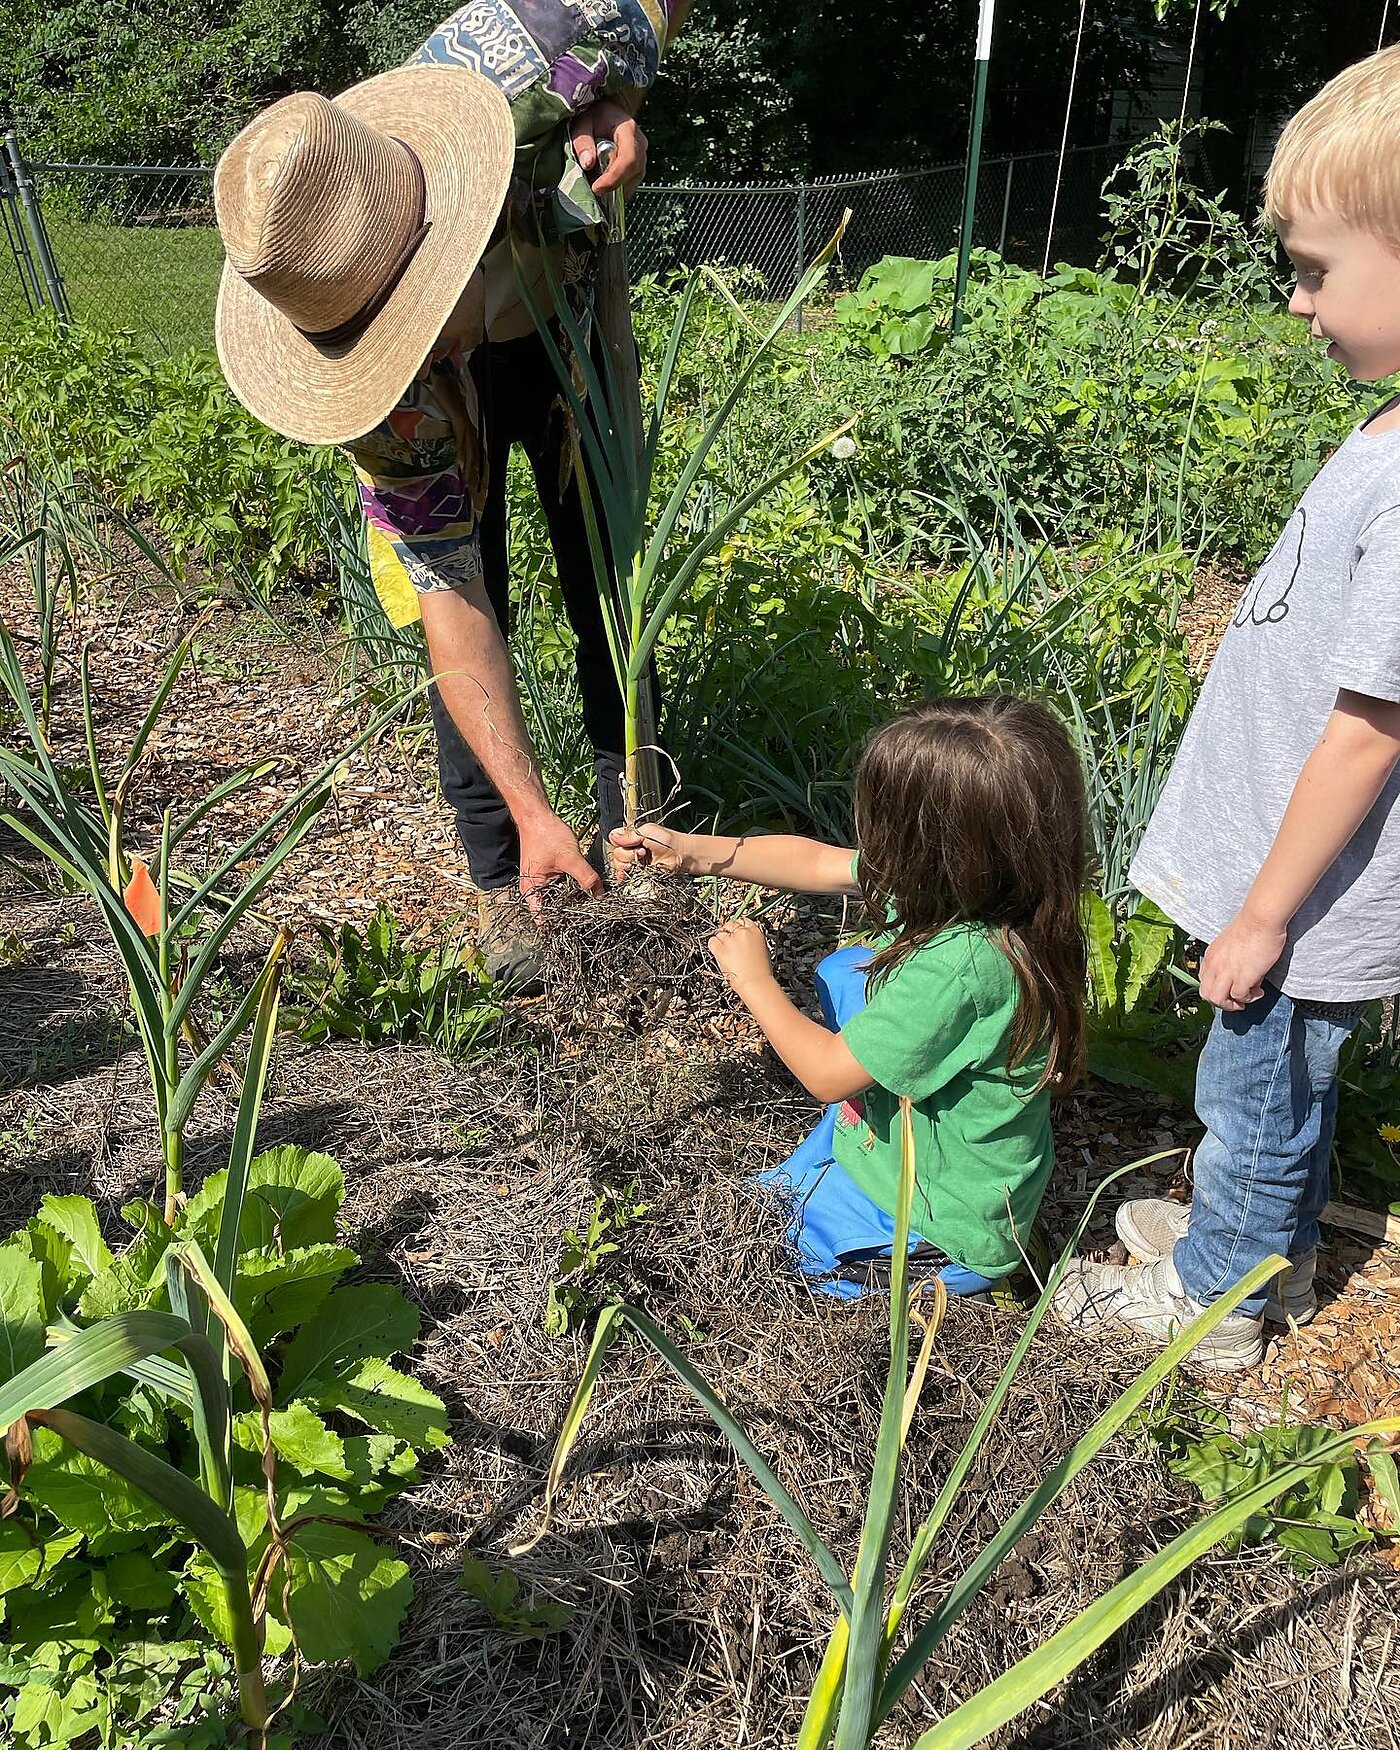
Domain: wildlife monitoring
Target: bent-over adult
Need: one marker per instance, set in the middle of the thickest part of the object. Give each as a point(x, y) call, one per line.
point(371, 299)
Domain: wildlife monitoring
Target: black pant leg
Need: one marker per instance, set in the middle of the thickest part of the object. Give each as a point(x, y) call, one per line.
point(484, 823)
point(546, 442)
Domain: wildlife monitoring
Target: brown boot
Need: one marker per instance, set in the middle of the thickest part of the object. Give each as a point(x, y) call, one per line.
point(509, 941)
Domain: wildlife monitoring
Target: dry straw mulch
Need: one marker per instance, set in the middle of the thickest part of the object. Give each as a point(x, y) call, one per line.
point(696, 1619)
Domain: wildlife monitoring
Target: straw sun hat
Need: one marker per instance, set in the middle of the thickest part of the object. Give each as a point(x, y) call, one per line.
point(350, 229)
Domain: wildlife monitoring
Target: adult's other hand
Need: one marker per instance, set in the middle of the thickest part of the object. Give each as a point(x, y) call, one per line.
point(548, 849)
point(607, 120)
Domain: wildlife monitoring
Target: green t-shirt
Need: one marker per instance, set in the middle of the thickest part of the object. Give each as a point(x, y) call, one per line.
point(938, 1030)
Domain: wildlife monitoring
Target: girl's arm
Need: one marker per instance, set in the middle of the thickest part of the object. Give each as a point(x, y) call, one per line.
point(822, 1061)
point(767, 860)
point(1336, 790)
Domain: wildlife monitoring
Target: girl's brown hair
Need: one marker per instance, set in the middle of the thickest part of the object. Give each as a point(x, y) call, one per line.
point(972, 811)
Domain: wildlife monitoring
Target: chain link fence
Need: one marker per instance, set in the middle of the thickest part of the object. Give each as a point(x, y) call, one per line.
point(134, 247)
point(775, 229)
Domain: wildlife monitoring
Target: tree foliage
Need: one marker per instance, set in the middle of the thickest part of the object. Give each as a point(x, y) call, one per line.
point(752, 88)
point(154, 81)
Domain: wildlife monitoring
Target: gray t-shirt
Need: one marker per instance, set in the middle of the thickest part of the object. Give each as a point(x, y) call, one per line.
point(1322, 614)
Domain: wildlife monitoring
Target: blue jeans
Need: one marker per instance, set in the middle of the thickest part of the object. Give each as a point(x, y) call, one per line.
point(834, 1224)
point(1266, 1091)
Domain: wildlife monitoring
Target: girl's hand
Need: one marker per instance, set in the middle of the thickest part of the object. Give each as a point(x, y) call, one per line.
point(742, 953)
point(649, 847)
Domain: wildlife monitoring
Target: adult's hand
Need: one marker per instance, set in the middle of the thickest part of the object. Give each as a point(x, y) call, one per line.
point(548, 849)
point(607, 120)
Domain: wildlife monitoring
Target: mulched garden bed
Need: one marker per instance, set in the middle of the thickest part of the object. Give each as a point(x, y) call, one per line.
point(696, 1621)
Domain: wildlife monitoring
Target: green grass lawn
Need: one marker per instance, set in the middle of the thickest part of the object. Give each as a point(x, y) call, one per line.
point(154, 281)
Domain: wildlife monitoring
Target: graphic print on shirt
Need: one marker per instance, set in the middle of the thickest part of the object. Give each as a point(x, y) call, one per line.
point(491, 40)
point(851, 1116)
point(1270, 573)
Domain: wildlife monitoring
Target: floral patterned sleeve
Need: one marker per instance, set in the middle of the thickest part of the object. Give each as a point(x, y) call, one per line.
point(422, 510)
point(553, 58)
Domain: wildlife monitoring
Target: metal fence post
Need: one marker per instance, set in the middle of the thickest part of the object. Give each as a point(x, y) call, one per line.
point(801, 244)
point(18, 238)
point(1005, 208)
point(985, 18)
point(34, 222)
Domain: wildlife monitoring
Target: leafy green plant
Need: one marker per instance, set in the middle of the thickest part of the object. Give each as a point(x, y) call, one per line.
point(1139, 1026)
point(156, 924)
point(169, 928)
point(861, 1679)
point(1170, 376)
point(892, 311)
point(165, 437)
point(183, 1420)
point(497, 1590)
point(237, 1421)
point(1164, 225)
point(1367, 1133)
point(573, 1288)
point(1316, 1520)
point(371, 985)
point(31, 527)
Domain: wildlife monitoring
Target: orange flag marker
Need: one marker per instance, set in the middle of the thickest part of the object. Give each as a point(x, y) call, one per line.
point(143, 899)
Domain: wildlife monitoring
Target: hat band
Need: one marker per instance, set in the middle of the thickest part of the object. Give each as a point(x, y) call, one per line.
point(354, 325)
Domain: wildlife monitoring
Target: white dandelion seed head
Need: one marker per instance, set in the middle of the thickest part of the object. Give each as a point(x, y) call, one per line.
point(843, 448)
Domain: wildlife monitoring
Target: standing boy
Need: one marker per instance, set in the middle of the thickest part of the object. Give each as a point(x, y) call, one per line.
point(1277, 837)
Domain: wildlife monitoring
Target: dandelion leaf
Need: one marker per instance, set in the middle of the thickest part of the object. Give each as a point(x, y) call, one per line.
point(300, 1438)
point(76, 1219)
point(346, 1597)
point(83, 1494)
point(383, 1398)
point(366, 1319)
point(293, 1195)
point(278, 1293)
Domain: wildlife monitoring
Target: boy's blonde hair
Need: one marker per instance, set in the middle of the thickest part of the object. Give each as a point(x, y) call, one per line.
point(1341, 152)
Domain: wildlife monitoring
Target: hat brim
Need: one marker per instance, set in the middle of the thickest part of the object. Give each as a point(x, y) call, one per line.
point(459, 125)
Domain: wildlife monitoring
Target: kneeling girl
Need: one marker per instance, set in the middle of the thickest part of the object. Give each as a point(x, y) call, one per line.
point(970, 830)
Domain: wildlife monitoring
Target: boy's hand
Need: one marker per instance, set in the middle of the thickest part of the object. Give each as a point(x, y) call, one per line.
point(1232, 972)
point(649, 847)
point(742, 953)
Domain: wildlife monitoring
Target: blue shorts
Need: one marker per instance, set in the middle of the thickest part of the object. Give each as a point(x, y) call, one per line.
point(835, 1226)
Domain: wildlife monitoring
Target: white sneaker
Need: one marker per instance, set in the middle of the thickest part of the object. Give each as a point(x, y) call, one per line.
point(1149, 1299)
point(1151, 1226)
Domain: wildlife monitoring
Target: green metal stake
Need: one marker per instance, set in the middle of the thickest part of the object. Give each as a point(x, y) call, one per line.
point(985, 17)
point(32, 218)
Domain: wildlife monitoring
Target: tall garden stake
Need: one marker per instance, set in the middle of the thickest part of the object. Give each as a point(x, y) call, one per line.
point(985, 17)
